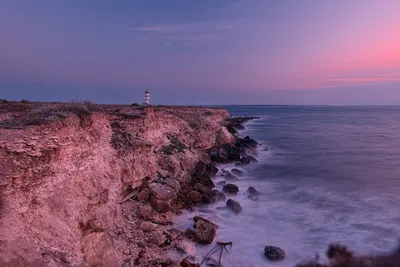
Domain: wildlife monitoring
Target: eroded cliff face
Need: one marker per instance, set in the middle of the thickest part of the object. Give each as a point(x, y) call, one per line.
point(64, 183)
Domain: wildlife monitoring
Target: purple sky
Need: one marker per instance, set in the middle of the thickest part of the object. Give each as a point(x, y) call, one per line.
point(201, 52)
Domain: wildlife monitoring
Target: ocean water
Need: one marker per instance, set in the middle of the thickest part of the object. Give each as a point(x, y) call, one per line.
point(326, 174)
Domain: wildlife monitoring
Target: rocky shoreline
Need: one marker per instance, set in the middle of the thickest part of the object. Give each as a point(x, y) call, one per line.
point(99, 185)
point(240, 153)
point(165, 194)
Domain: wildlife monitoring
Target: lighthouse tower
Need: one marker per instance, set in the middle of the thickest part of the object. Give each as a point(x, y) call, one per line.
point(147, 97)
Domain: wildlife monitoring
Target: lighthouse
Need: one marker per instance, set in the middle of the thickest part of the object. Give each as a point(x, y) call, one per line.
point(147, 97)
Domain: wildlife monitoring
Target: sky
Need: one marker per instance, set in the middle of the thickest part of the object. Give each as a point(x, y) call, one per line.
point(206, 52)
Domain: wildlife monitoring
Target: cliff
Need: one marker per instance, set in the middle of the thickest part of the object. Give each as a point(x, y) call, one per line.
point(75, 186)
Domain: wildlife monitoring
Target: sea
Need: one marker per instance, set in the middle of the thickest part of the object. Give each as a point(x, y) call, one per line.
point(326, 174)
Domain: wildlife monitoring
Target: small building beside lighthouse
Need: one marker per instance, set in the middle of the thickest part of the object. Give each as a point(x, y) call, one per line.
point(147, 97)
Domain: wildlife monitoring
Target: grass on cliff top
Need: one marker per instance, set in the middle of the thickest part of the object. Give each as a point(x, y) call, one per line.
point(48, 113)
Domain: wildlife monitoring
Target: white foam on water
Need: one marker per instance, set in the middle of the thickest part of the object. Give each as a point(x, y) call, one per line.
point(301, 218)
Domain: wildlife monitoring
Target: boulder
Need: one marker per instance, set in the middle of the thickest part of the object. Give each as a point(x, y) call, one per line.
point(200, 169)
point(205, 230)
point(247, 145)
point(160, 205)
point(173, 233)
point(205, 180)
point(225, 154)
point(147, 226)
point(252, 197)
point(194, 196)
point(190, 234)
point(230, 188)
point(208, 197)
point(247, 159)
point(186, 246)
point(237, 172)
point(213, 153)
point(251, 190)
point(182, 176)
point(234, 206)
point(174, 184)
point(186, 263)
point(231, 177)
point(221, 183)
point(274, 253)
point(161, 191)
point(225, 136)
point(156, 237)
point(211, 169)
point(203, 168)
point(201, 188)
point(232, 152)
point(338, 253)
point(218, 195)
point(144, 195)
point(250, 141)
point(224, 172)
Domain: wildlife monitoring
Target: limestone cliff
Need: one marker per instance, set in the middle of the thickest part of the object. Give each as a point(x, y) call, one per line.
point(66, 172)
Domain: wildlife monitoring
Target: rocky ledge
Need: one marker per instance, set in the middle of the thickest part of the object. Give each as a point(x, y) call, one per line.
point(99, 185)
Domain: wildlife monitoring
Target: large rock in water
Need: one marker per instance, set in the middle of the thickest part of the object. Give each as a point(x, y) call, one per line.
point(251, 190)
point(218, 195)
point(204, 230)
point(247, 145)
point(233, 205)
point(231, 188)
point(274, 253)
point(225, 154)
point(231, 177)
point(202, 168)
point(237, 172)
point(201, 188)
point(204, 179)
point(248, 159)
point(211, 169)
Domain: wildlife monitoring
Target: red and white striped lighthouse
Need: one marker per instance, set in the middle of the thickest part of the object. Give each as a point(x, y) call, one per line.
point(147, 97)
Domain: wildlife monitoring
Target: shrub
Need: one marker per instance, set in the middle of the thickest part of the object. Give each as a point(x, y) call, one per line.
point(48, 113)
point(24, 101)
point(174, 147)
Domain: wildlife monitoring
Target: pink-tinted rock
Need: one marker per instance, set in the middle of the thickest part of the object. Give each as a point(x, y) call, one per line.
point(160, 205)
point(194, 196)
point(204, 229)
point(144, 195)
point(162, 191)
